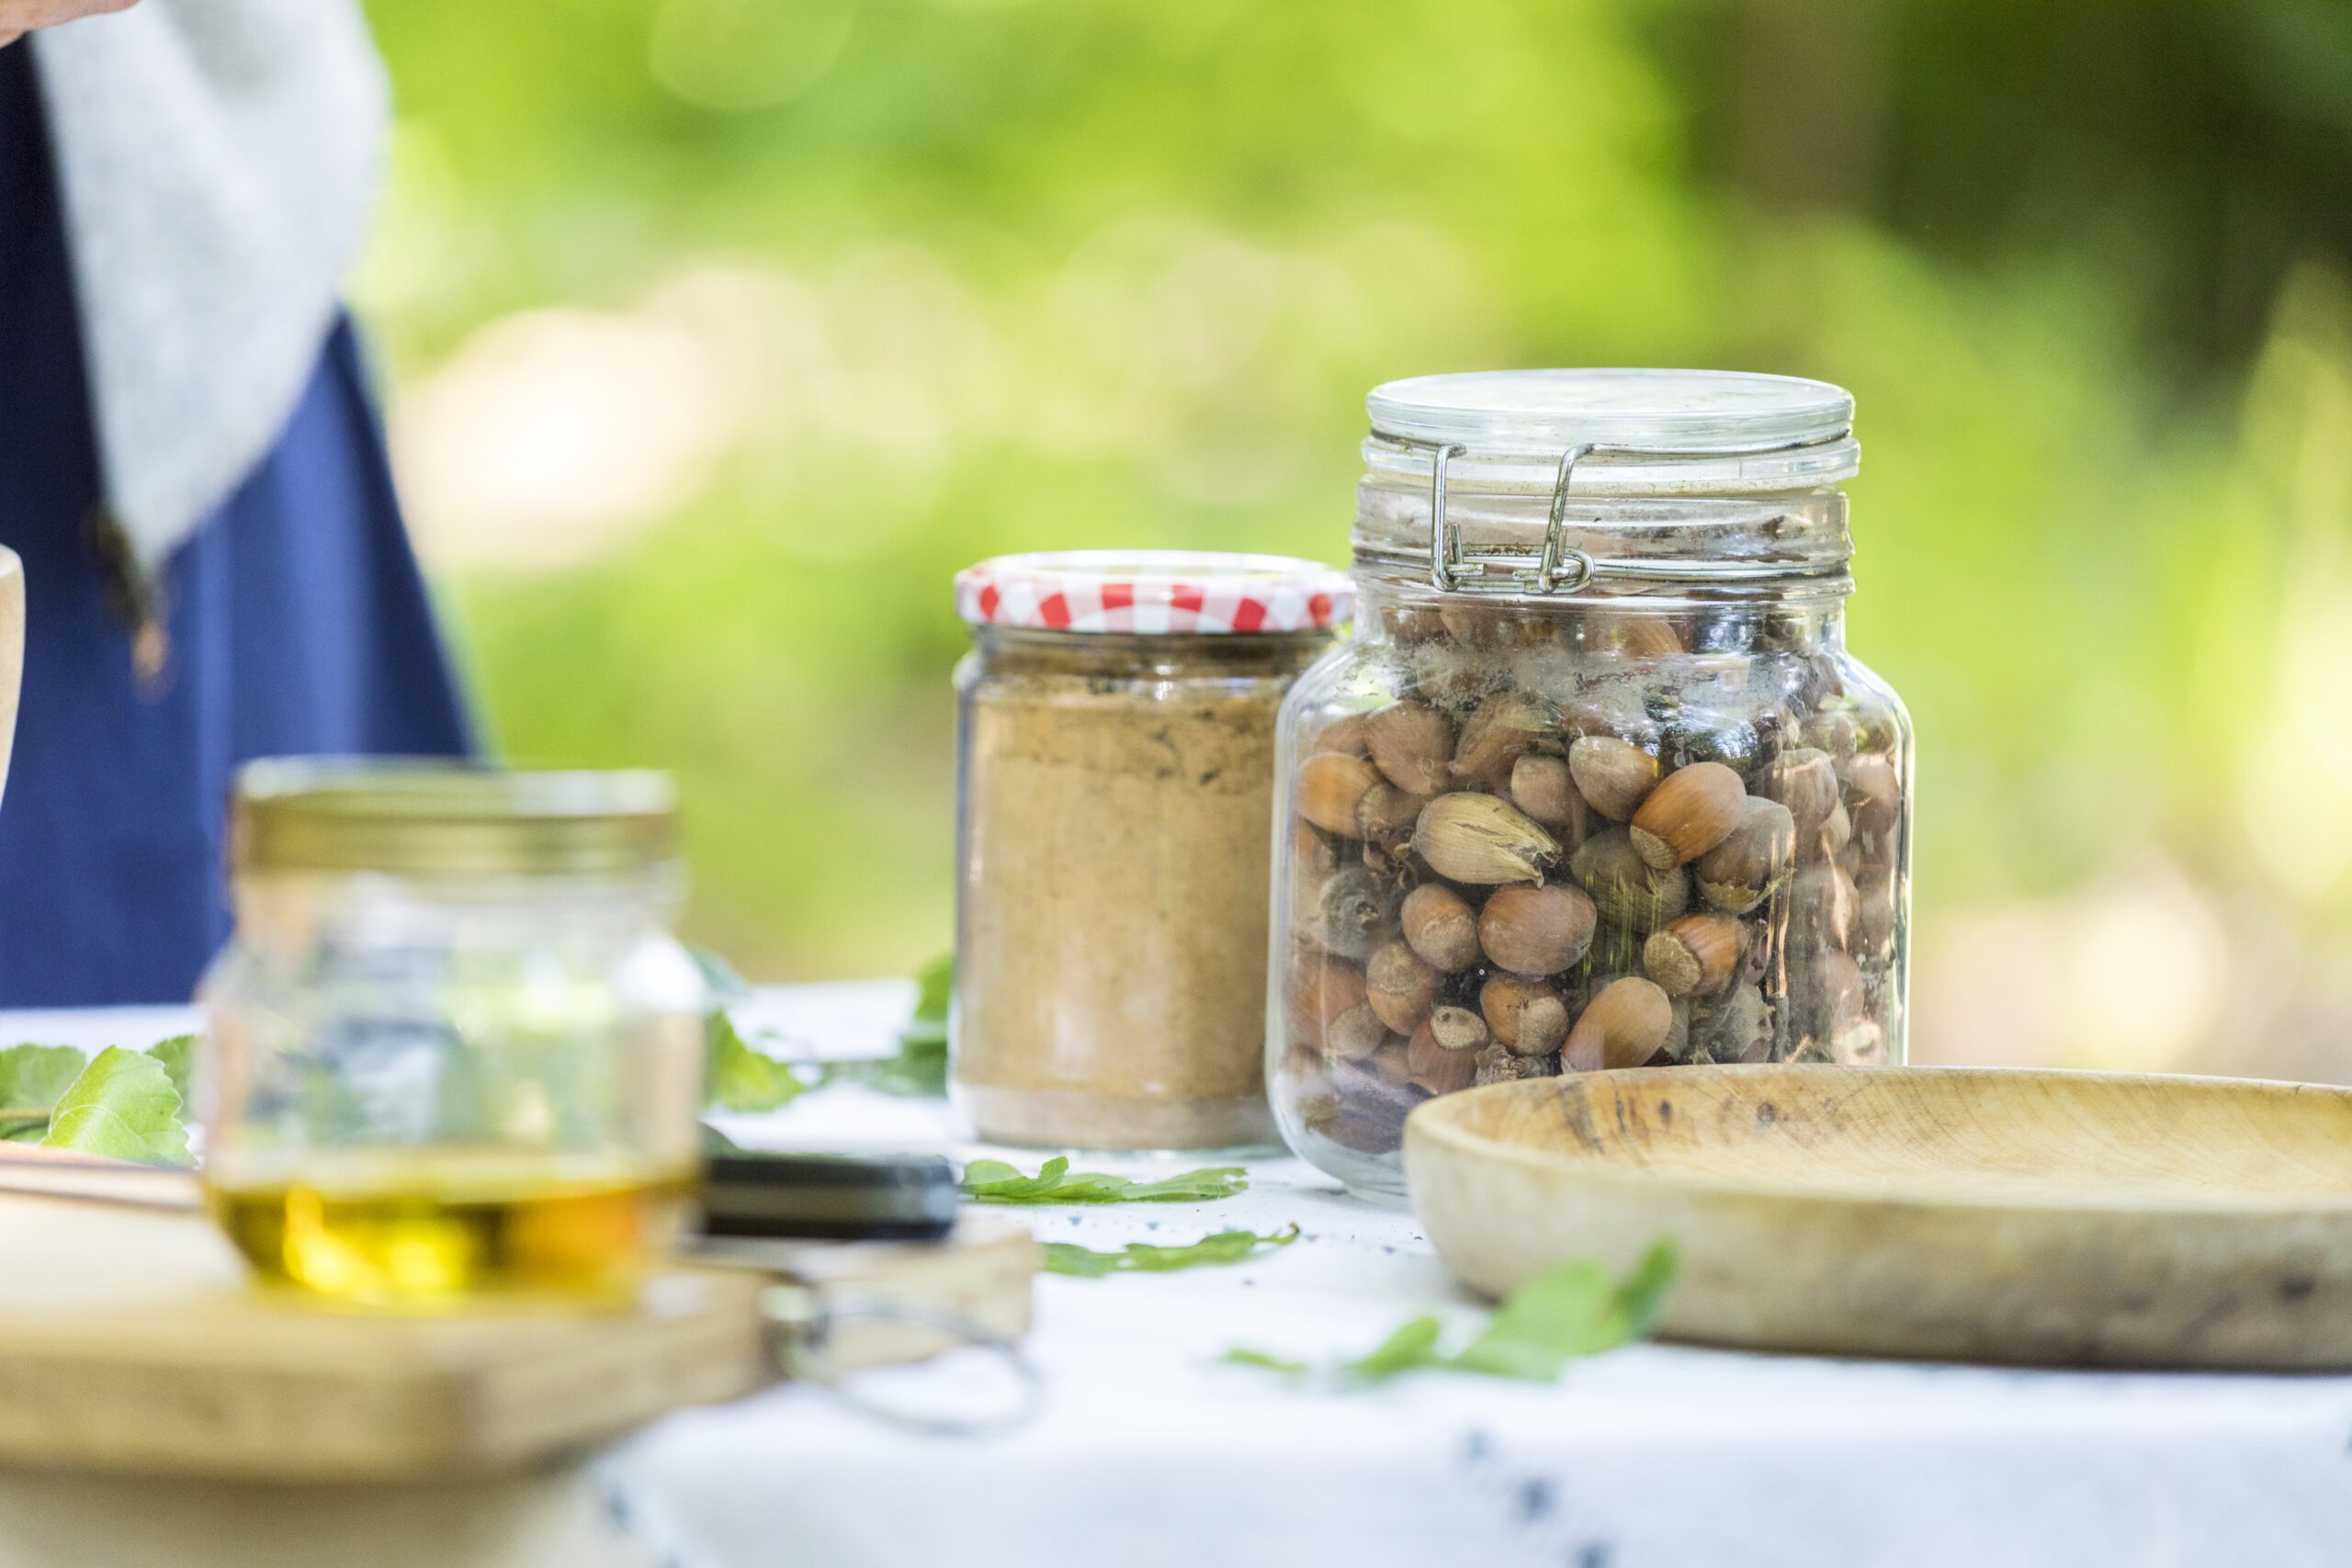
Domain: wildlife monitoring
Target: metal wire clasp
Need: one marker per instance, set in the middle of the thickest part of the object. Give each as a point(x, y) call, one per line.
point(1559, 567)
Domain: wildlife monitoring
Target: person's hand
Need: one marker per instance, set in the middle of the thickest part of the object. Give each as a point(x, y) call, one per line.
point(18, 17)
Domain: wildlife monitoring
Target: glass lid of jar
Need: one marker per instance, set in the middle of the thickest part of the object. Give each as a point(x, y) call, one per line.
point(1638, 432)
point(1538, 481)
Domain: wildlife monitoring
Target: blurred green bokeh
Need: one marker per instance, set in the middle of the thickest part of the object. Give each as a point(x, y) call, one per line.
point(723, 331)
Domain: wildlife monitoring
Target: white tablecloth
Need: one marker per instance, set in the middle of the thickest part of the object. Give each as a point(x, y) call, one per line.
point(1151, 1453)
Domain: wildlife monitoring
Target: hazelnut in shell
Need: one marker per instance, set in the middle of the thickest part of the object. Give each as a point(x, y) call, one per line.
point(1350, 911)
point(1875, 923)
point(1442, 927)
point(1459, 1029)
point(1412, 744)
point(1526, 1017)
point(1691, 810)
point(1625, 889)
point(1835, 733)
point(1695, 955)
point(1873, 795)
point(1483, 840)
point(1506, 727)
point(1399, 987)
point(1834, 835)
point(1385, 815)
point(1331, 787)
point(1316, 990)
point(1823, 908)
point(1497, 1065)
point(1356, 1034)
point(1543, 787)
point(1344, 733)
point(1536, 930)
point(1614, 776)
point(1805, 781)
point(1739, 1028)
point(1744, 870)
point(1434, 1067)
point(1624, 1026)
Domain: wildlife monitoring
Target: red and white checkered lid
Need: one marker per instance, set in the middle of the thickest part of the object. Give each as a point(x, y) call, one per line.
point(1153, 592)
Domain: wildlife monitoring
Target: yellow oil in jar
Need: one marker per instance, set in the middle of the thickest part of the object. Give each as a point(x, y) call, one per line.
point(443, 1229)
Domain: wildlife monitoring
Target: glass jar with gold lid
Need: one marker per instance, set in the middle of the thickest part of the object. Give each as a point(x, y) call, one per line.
point(454, 1048)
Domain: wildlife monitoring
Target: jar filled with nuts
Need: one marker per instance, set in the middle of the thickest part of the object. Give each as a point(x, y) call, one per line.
point(1116, 734)
point(1596, 783)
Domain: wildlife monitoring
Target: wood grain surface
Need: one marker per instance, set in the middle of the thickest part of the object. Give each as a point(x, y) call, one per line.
point(131, 1343)
point(1987, 1214)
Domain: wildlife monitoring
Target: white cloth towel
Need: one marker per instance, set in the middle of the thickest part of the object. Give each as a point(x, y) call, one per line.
point(217, 160)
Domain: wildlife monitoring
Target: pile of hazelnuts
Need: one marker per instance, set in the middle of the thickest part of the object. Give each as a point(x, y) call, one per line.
point(1496, 885)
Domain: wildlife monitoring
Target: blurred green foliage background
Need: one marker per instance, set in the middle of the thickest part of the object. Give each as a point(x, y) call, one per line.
point(721, 331)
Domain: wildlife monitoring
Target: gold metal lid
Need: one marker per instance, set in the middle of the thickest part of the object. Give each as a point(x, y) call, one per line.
point(420, 817)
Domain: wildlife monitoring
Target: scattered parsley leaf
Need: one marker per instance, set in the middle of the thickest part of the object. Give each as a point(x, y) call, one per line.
point(1563, 1313)
point(993, 1181)
point(934, 987)
point(124, 1104)
point(1642, 1294)
point(714, 1142)
point(919, 1068)
point(1569, 1310)
point(737, 1077)
point(178, 1056)
point(1414, 1344)
point(33, 1077)
point(1142, 1258)
point(727, 988)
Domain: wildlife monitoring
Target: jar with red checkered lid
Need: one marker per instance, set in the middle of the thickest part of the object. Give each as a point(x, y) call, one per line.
point(1596, 784)
point(1116, 737)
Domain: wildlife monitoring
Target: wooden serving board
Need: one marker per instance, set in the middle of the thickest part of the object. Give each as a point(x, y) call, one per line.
point(131, 1343)
point(2061, 1218)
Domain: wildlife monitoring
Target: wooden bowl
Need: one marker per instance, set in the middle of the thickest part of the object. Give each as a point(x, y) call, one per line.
point(2087, 1219)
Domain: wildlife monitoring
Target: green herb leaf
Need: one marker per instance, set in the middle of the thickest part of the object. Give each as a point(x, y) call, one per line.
point(1142, 1258)
point(993, 1181)
point(1413, 1345)
point(934, 987)
point(738, 1078)
point(1569, 1310)
point(919, 1068)
point(1643, 1294)
point(1565, 1312)
point(124, 1104)
point(178, 1056)
point(727, 988)
point(714, 1142)
point(33, 1077)
point(918, 1072)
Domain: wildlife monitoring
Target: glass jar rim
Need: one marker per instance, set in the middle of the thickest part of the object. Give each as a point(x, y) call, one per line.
point(437, 816)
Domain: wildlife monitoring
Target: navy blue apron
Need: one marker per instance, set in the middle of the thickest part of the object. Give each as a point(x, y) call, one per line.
point(295, 622)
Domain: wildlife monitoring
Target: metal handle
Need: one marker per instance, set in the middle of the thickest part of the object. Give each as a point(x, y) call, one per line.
point(802, 1320)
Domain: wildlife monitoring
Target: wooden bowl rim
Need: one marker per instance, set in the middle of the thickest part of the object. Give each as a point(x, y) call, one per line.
point(1438, 1122)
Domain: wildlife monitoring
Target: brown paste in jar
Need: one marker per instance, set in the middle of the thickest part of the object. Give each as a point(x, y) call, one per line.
point(1116, 855)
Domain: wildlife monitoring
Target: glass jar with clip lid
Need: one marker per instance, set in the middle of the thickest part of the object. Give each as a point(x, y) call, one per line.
point(1596, 782)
